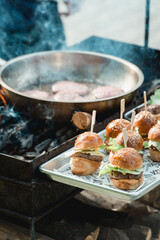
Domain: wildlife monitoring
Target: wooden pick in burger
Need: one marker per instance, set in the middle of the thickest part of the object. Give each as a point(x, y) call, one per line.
point(145, 101)
point(93, 120)
point(125, 137)
point(122, 108)
point(132, 120)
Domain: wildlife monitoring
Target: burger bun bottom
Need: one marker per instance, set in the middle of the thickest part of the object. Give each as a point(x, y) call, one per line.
point(154, 155)
point(82, 166)
point(128, 184)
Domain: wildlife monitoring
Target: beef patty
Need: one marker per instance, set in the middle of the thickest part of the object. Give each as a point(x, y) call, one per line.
point(88, 156)
point(118, 175)
point(154, 148)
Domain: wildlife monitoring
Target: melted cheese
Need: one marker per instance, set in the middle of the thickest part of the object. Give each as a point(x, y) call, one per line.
point(88, 151)
point(92, 153)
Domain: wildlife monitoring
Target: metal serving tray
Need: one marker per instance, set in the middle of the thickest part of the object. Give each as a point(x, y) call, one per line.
point(128, 114)
point(59, 170)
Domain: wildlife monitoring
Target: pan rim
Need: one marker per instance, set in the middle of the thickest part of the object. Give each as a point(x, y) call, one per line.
point(107, 56)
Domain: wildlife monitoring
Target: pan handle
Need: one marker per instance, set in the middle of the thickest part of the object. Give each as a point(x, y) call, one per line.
point(2, 62)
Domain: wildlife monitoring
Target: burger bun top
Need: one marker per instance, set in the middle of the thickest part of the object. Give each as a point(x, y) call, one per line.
point(134, 140)
point(144, 121)
point(116, 126)
point(127, 158)
point(88, 140)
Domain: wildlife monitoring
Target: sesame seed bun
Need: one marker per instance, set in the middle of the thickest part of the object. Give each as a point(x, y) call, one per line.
point(126, 159)
point(144, 121)
point(83, 166)
point(87, 140)
point(116, 126)
point(134, 140)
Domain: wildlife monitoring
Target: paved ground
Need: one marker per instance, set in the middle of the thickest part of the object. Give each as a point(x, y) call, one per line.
point(120, 20)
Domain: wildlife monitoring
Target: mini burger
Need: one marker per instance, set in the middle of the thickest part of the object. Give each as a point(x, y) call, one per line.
point(86, 158)
point(134, 141)
point(125, 169)
point(154, 142)
point(113, 129)
point(116, 126)
point(143, 122)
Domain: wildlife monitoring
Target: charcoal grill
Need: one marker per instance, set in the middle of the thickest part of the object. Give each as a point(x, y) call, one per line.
point(29, 195)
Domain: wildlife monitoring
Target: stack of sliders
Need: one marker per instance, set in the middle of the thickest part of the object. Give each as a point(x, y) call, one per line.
point(86, 158)
point(134, 139)
point(125, 167)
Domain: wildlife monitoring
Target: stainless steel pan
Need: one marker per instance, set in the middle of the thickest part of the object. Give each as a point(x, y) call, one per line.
point(46, 67)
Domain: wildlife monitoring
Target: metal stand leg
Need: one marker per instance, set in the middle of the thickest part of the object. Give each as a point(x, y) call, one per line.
point(32, 230)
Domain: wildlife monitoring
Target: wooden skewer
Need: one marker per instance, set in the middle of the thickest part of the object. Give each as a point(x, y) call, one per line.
point(93, 120)
point(125, 137)
point(122, 108)
point(145, 101)
point(132, 120)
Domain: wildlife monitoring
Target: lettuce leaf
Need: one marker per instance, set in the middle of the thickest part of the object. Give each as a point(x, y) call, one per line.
point(114, 146)
point(103, 147)
point(109, 167)
point(104, 136)
point(155, 98)
point(157, 92)
point(140, 151)
point(145, 144)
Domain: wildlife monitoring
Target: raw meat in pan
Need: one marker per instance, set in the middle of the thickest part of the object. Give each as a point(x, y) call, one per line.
point(67, 96)
point(106, 92)
point(70, 86)
point(37, 94)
